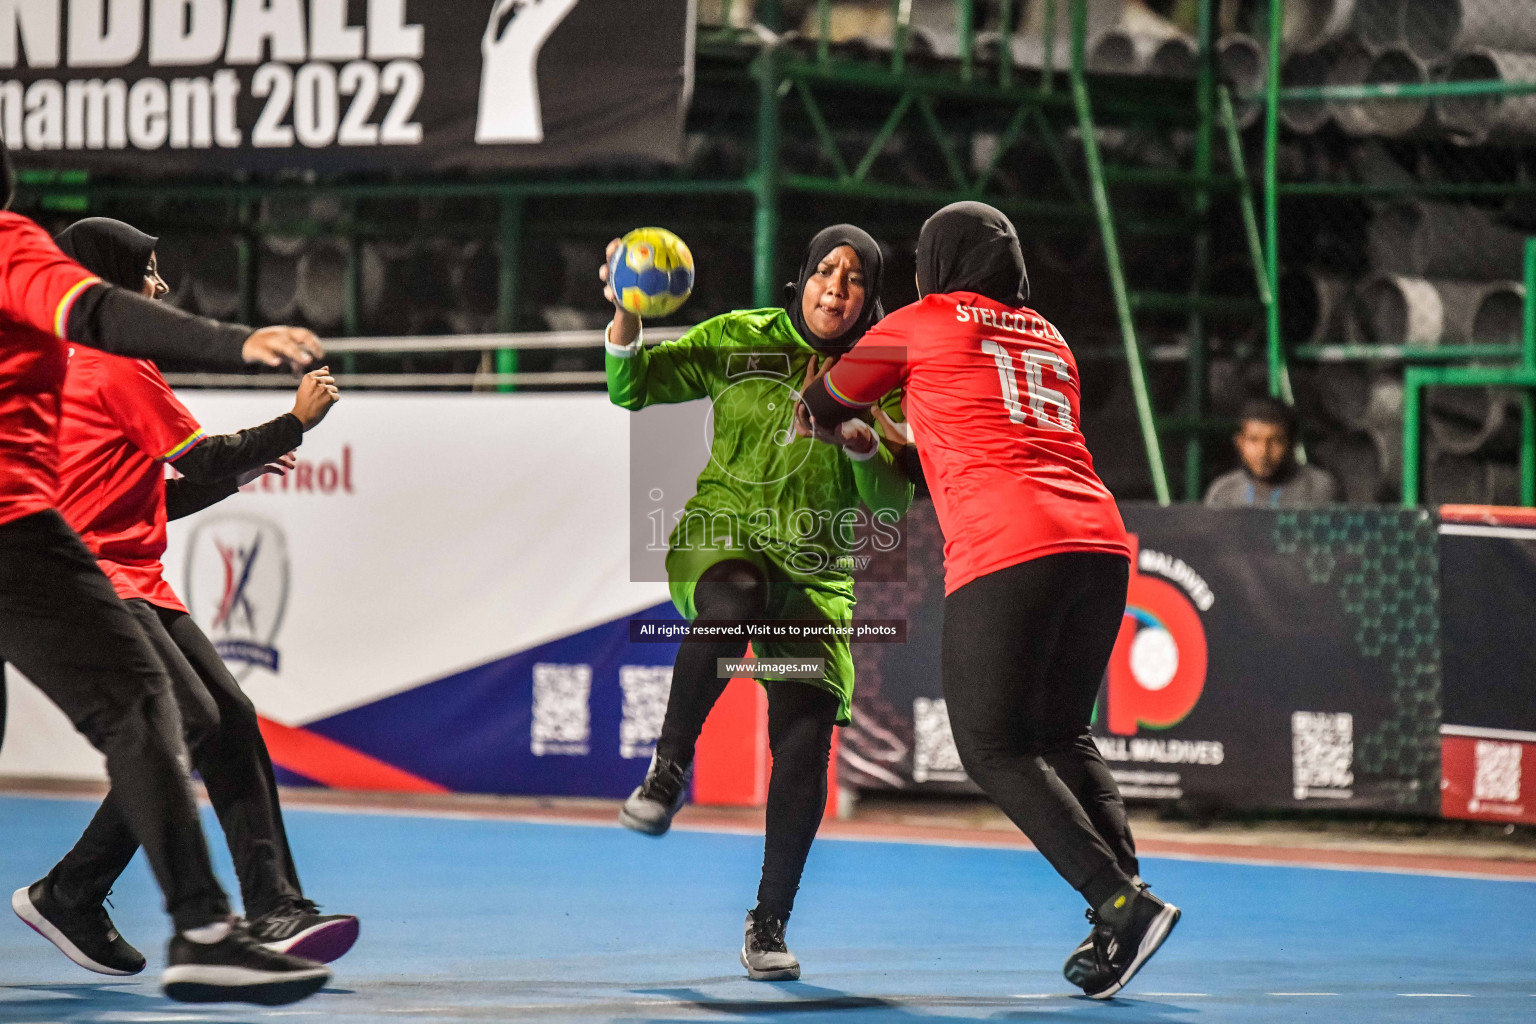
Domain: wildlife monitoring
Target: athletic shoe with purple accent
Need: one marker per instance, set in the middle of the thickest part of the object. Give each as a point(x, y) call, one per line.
point(84, 934)
point(296, 926)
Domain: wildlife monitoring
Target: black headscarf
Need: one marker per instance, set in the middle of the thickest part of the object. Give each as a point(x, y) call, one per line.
point(116, 252)
point(971, 247)
point(871, 265)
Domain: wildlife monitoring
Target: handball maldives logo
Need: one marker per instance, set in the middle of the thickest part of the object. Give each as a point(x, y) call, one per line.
point(1157, 671)
point(237, 587)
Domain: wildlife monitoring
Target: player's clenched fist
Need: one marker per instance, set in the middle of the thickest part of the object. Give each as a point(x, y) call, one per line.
point(602, 272)
point(295, 347)
point(317, 393)
point(626, 326)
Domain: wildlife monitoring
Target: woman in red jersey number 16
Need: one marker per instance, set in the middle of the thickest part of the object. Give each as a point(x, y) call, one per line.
point(1036, 562)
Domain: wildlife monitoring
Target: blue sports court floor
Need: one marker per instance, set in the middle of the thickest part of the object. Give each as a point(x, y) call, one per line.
point(483, 920)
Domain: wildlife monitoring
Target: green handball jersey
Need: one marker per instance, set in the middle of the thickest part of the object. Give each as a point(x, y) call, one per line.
point(788, 504)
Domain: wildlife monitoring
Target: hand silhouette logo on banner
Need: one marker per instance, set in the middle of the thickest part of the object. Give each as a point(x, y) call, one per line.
point(509, 79)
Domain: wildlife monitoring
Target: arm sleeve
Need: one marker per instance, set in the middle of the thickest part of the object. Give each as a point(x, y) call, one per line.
point(674, 371)
point(184, 497)
point(118, 321)
point(873, 367)
point(224, 456)
point(47, 291)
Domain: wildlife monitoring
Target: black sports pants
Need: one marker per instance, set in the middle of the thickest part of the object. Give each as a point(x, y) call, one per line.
point(1025, 650)
point(62, 625)
point(228, 752)
point(800, 721)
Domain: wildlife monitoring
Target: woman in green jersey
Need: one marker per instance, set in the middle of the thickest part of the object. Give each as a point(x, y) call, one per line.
point(769, 534)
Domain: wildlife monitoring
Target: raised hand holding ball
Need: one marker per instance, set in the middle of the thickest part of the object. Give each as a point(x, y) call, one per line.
point(649, 272)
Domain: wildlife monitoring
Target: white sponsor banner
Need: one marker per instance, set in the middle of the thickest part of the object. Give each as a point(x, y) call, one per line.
point(421, 535)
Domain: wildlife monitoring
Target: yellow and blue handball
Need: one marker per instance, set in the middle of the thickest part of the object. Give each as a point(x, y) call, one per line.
point(651, 272)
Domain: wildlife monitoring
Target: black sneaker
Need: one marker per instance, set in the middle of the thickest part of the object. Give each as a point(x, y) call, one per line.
point(1119, 954)
point(1082, 966)
point(84, 934)
point(656, 801)
point(297, 927)
point(238, 969)
point(763, 952)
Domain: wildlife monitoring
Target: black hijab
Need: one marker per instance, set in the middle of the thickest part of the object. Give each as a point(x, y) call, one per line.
point(971, 247)
point(114, 251)
point(871, 265)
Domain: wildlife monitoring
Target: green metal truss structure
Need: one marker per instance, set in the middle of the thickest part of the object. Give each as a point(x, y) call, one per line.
point(800, 93)
point(1424, 367)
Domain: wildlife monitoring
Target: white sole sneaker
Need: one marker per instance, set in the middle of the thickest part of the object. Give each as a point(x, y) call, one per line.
point(780, 974)
point(22, 904)
point(199, 983)
point(1156, 934)
point(323, 942)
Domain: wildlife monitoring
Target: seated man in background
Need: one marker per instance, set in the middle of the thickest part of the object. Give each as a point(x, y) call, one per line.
point(1270, 476)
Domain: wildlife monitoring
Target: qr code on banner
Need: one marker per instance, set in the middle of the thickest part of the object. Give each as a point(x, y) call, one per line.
point(1498, 772)
point(646, 688)
point(562, 719)
point(1322, 754)
point(934, 757)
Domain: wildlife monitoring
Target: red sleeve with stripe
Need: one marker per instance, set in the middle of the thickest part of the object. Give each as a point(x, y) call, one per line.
point(147, 411)
point(40, 283)
point(874, 366)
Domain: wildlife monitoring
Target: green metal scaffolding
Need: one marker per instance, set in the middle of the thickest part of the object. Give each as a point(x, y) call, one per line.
point(1519, 374)
point(920, 99)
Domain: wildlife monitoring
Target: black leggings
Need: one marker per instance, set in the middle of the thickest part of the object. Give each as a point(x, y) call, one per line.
point(228, 752)
point(800, 721)
point(62, 625)
point(1025, 650)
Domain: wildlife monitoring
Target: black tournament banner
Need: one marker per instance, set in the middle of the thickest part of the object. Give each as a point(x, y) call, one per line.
point(1266, 659)
point(189, 86)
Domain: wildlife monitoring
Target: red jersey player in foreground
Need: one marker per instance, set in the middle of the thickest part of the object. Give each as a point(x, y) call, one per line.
point(1036, 562)
point(62, 624)
point(121, 426)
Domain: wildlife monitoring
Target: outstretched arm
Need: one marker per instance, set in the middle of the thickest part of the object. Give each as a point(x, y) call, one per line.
point(118, 321)
point(47, 291)
point(185, 497)
point(637, 376)
point(224, 456)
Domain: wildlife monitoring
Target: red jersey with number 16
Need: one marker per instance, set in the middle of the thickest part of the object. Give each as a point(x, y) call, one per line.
point(992, 397)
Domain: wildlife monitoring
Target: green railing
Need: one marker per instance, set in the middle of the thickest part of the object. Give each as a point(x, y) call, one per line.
point(1418, 375)
point(1523, 376)
point(933, 103)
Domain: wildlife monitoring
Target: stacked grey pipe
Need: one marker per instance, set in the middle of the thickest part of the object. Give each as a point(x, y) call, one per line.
point(1442, 275)
point(1387, 42)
